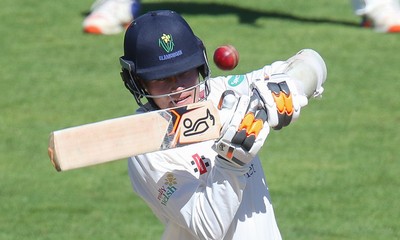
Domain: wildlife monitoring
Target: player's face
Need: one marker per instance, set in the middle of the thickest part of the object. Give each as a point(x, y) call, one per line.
point(173, 89)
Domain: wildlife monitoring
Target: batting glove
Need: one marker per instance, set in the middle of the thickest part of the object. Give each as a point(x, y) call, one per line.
point(244, 132)
point(281, 99)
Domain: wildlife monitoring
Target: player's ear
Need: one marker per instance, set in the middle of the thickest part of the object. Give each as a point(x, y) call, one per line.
point(142, 83)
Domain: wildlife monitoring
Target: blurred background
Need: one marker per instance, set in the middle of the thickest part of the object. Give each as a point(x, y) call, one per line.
point(334, 174)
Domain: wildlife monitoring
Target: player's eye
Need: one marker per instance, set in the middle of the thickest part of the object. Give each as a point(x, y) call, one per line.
point(189, 74)
point(163, 80)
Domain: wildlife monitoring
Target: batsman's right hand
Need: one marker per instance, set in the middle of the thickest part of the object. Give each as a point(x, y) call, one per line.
point(244, 131)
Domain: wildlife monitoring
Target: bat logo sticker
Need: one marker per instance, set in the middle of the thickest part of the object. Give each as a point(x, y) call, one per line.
point(191, 124)
point(200, 126)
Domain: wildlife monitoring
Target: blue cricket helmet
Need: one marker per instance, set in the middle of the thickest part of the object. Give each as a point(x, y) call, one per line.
point(161, 44)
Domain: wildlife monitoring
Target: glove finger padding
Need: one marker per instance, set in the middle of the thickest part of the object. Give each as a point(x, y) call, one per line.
point(284, 103)
point(249, 129)
point(244, 135)
point(281, 99)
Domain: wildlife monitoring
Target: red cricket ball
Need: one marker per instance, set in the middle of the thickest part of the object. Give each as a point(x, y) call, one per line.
point(226, 57)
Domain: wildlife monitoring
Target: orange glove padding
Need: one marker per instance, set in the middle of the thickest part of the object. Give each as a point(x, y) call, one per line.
point(244, 131)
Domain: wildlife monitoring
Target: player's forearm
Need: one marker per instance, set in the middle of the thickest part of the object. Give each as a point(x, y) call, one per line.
point(307, 68)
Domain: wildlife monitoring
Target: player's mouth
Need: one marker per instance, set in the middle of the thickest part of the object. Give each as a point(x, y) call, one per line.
point(182, 100)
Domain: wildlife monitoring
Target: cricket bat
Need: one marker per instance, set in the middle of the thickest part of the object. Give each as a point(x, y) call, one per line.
point(123, 137)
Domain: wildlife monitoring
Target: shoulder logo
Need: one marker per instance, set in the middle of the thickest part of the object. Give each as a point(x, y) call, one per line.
point(166, 42)
point(235, 80)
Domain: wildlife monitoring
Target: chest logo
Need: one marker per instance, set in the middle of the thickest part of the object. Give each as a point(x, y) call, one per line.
point(235, 80)
point(200, 164)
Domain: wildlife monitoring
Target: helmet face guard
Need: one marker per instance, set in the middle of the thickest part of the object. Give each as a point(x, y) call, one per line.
point(158, 45)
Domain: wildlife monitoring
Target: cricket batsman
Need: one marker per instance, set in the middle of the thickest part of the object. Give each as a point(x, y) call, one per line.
point(215, 189)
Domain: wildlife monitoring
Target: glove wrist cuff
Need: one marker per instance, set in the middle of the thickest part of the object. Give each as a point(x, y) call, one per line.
point(232, 162)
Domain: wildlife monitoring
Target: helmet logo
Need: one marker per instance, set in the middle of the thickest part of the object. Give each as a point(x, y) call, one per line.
point(166, 42)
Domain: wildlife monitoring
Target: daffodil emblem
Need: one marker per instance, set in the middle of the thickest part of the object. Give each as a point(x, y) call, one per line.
point(166, 42)
point(170, 179)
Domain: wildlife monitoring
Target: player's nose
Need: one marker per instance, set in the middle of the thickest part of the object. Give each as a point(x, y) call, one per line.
point(178, 82)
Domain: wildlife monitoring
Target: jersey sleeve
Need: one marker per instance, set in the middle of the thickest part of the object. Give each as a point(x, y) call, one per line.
point(240, 84)
point(307, 68)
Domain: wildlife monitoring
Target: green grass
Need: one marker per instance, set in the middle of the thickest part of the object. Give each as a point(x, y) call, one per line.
point(332, 175)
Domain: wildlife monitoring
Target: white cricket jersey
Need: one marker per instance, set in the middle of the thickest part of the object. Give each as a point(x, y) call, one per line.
point(198, 196)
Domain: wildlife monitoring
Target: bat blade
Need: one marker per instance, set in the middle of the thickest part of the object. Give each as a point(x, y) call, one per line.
point(120, 138)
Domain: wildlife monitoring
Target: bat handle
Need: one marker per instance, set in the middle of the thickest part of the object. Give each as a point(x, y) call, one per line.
point(51, 153)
